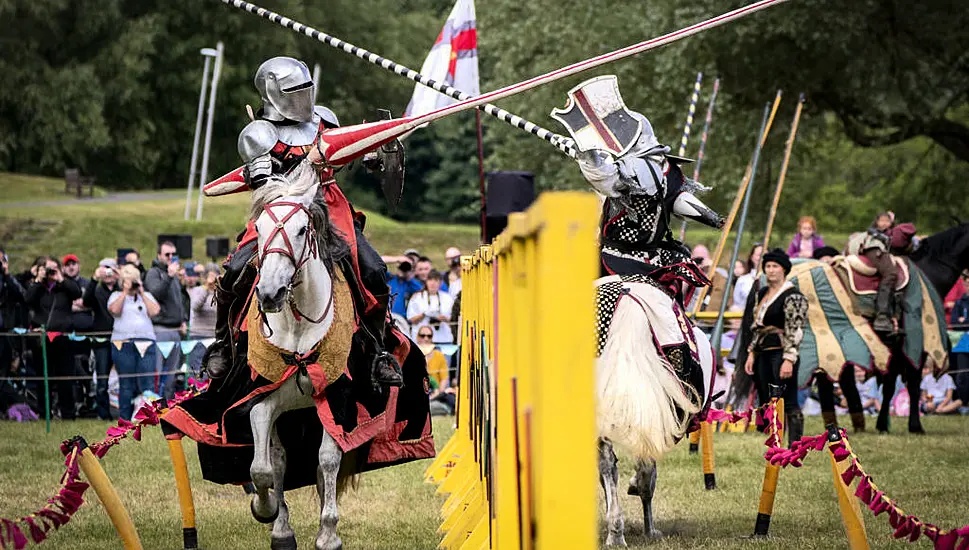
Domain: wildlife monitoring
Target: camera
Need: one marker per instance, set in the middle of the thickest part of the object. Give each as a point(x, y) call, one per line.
point(135, 285)
point(455, 261)
point(405, 266)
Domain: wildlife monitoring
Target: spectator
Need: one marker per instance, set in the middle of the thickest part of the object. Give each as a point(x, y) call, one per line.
point(825, 254)
point(422, 268)
point(960, 309)
point(869, 390)
point(162, 282)
point(957, 291)
point(807, 240)
point(29, 275)
point(937, 393)
point(201, 323)
point(431, 307)
point(739, 269)
point(713, 298)
point(402, 285)
point(83, 321)
point(133, 309)
point(134, 258)
point(746, 282)
point(96, 296)
point(413, 255)
point(442, 395)
point(452, 277)
point(50, 297)
point(11, 303)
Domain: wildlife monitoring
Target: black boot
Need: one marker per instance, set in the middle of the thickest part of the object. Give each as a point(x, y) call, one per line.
point(218, 357)
point(883, 308)
point(795, 426)
point(386, 371)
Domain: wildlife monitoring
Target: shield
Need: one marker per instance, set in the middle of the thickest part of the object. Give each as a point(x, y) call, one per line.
point(597, 118)
point(387, 163)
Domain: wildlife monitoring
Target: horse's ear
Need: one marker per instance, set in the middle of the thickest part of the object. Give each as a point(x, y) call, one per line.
point(955, 219)
point(310, 195)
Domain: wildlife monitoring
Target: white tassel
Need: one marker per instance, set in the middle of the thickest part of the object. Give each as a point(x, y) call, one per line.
point(637, 389)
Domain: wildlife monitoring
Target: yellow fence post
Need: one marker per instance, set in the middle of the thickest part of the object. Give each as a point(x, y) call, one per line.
point(190, 536)
point(706, 438)
point(771, 472)
point(526, 395)
point(108, 496)
point(851, 518)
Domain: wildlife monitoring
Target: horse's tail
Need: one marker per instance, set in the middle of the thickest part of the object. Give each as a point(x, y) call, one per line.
point(643, 405)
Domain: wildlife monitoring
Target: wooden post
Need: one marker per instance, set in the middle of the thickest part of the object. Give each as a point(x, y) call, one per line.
point(851, 518)
point(108, 496)
point(186, 504)
point(706, 439)
point(783, 175)
point(694, 442)
point(766, 506)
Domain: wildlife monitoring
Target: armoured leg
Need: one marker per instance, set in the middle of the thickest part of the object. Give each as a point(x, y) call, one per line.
point(231, 292)
point(373, 271)
point(609, 479)
point(886, 289)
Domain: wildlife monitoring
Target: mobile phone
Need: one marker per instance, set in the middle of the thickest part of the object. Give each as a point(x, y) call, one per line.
point(174, 257)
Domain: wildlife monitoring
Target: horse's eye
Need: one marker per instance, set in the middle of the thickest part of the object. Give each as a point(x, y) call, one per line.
point(302, 231)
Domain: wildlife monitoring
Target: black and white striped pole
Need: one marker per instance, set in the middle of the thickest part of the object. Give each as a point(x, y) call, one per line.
point(561, 142)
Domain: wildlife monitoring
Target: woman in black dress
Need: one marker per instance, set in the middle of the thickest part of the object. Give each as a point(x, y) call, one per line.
point(776, 318)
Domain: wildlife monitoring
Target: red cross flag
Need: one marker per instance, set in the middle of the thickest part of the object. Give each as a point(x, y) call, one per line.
point(453, 60)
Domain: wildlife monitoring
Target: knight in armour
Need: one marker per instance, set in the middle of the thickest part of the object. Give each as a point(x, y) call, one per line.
point(283, 133)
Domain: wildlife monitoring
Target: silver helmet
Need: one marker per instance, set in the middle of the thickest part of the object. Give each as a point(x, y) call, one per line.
point(287, 89)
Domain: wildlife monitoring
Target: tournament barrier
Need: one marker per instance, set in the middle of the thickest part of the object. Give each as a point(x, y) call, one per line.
point(520, 470)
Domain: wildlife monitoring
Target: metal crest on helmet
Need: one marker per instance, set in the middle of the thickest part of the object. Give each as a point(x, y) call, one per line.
point(597, 118)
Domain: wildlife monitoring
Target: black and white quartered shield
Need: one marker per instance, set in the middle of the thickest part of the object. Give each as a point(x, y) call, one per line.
point(597, 118)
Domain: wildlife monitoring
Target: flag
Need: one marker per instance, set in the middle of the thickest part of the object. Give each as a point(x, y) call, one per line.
point(453, 60)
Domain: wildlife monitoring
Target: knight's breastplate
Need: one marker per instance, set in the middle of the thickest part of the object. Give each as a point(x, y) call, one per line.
point(295, 142)
point(637, 224)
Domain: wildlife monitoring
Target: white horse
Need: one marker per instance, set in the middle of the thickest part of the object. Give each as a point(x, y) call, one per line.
point(643, 406)
point(295, 293)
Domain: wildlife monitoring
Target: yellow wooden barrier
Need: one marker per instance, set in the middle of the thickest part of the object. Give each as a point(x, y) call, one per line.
point(526, 387)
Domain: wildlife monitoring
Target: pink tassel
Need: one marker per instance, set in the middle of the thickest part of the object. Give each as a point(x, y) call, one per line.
point(904, 528)
point(916, 531)
point(963, 543)
point(946, 540)
point(894, 518)
point(850, 474)
point(36, 532)
point(864, 490)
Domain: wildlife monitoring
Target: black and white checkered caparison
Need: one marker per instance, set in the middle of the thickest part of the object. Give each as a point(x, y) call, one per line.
point(607, 296)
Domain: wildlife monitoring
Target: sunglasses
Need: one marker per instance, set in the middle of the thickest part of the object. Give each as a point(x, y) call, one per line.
point(168, 254)
point(425, 335)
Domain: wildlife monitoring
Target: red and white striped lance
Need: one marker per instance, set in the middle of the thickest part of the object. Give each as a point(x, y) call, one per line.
point(342, 145)
point(561, 142)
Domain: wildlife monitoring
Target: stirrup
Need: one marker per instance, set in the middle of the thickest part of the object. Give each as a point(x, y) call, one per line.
point(386, 371)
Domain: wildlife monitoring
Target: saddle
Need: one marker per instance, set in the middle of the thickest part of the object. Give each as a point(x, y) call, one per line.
point(859, 276)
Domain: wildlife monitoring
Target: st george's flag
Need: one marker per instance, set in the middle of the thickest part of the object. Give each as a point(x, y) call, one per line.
point(453, 60)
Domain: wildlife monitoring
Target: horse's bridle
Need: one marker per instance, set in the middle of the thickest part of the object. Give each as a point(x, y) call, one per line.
point(309, 250)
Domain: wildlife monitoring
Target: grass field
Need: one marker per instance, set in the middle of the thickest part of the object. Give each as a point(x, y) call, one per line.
point(393, 509)
point(94, 230)
point(23, 188)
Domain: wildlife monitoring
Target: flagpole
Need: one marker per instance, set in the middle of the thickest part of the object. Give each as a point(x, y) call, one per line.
point(703, 143)
point(686, 131)
point(481, 176)
point(783, 176)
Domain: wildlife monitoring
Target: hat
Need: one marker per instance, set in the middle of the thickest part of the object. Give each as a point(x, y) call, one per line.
point(824, 251)
point(452, 252)
point(190, 267)
point(70, 258)
point(411, 251)
point(779, 257)
point(110, 263)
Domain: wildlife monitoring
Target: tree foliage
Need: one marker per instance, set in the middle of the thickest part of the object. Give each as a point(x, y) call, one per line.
point(112, 87)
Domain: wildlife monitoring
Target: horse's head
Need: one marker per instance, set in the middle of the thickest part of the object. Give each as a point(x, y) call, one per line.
point(287, 241)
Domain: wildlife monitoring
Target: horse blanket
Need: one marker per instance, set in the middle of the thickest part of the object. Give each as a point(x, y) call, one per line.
point(838, 333)
point(385, 428)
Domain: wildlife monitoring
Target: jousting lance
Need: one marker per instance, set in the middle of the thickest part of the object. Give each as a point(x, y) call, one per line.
point(563, 143)
point(341, 145)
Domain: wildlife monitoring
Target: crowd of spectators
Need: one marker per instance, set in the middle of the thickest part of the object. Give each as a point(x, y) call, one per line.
point(97, 327)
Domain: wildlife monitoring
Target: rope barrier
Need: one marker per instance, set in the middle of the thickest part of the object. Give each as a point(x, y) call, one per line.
point(88, 377)
point(61, 507)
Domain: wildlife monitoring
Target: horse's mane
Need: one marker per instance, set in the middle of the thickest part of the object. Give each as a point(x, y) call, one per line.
point(942, 243)
point(299, 182)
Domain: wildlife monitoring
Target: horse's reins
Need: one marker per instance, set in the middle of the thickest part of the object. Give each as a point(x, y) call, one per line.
point(309, 250)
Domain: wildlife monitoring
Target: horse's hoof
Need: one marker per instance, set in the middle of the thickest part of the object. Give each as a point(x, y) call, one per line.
point(271, 504)
point(917, 431)
point(632, 490)
point(619, 540)
point(655, 534)
point(332, 544)
point(284, 543)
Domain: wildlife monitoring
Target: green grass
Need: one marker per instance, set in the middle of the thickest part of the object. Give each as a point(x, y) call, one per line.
point(96, 230)
point(393, 509)
point(22, 188)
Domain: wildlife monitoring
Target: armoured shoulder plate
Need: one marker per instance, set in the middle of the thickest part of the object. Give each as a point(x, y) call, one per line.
point(257, 139)
point(327, 116)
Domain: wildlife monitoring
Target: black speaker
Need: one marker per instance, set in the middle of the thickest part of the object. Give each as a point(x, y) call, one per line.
point(122, 252)
point(182, 242)
point(216, 247)
point(508, 191)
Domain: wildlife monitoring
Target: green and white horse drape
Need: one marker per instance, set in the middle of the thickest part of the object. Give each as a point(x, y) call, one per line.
point(836, 334)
